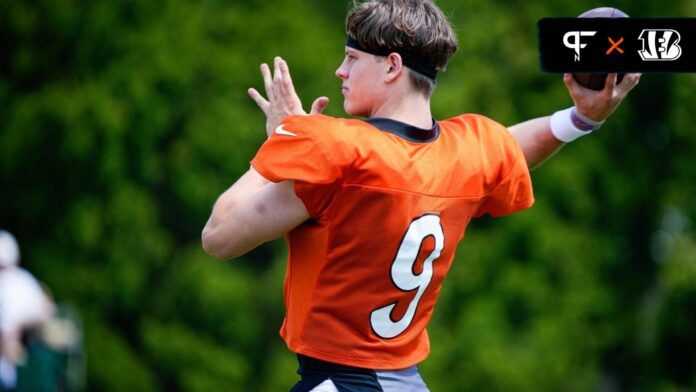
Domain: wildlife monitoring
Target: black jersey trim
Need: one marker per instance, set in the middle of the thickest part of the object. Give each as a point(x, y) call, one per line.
point(406, 131)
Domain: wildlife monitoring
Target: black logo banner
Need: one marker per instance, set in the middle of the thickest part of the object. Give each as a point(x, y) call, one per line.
point(617, 45)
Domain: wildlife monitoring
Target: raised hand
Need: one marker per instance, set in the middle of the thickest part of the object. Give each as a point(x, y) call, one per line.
point(599, 105)
point(282, 99)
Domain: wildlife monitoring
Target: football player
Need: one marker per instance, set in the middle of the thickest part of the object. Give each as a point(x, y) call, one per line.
point(373, 209)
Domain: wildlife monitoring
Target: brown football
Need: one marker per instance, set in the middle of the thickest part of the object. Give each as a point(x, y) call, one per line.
point(595, 81)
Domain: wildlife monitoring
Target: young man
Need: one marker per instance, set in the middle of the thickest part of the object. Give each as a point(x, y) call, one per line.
point(374, 209)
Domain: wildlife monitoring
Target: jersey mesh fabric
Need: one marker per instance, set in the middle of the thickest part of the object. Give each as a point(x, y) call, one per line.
point(363, 189)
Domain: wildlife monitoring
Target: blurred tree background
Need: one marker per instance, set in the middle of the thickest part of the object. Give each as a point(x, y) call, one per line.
point(121, 121)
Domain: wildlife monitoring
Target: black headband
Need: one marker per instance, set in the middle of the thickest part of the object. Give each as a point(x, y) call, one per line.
point(415, 62)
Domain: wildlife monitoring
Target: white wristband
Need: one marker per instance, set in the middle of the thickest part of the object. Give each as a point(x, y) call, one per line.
point(583, 122)
point(568, 125)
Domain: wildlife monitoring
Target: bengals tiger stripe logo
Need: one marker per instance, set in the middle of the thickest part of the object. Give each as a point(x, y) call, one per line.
point(660, 45)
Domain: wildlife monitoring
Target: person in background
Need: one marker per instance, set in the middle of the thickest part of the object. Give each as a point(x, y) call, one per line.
point(23, 305)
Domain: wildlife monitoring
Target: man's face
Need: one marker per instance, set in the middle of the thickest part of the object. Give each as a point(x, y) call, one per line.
point(361, 87)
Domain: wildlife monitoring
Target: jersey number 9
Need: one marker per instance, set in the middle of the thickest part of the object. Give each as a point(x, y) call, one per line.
point(403, 277)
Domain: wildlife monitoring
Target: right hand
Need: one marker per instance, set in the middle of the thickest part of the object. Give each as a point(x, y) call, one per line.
point(599, 105)
point(282, 99)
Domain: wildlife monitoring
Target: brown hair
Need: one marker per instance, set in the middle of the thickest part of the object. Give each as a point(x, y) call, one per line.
point(412, 26)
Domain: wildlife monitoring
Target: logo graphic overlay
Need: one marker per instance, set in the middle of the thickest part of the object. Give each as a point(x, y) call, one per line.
point(596, 46)
point(614, 45)
point(576, 45)
point(660, 45)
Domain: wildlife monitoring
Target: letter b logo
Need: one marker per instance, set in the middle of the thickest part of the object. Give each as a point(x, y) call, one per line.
point(660, 45)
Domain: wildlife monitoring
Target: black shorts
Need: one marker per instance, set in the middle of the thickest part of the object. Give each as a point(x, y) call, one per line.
point(322, 376)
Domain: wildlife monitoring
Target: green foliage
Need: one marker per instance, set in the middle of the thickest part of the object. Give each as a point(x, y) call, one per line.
point(189, 361)
point(121, 121)
point(113, 364)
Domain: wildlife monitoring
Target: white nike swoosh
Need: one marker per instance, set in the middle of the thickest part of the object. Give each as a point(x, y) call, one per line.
point(281, 131)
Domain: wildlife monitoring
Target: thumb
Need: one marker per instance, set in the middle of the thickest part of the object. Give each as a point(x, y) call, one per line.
point(318, 105)
point(569, 81)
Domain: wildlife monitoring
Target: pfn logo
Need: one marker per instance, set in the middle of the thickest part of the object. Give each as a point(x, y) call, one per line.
point(576, 45)
point(660, 45)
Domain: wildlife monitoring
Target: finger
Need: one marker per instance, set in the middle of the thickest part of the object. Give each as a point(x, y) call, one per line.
point(319, 105)
point(267, 81)
point(259, 99)
point(575, 89)
point(277, 75)
point(278, 79)
point(610, 83)
point(288, 86)
point(629, 81)
point(570, 82)
point(632, 79)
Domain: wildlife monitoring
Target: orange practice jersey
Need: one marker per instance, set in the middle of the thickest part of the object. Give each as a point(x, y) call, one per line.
point(388, 207)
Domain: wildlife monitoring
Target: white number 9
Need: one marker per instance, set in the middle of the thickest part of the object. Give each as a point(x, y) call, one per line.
point(403, 277)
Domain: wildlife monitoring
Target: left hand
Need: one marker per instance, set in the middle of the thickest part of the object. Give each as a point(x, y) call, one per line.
point(282, 98)
point(599, 105)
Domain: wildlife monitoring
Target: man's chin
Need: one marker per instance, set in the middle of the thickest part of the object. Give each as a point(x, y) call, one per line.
point(352, 110)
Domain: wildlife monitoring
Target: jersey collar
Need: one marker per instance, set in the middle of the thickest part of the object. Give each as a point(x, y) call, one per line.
point(406, 131)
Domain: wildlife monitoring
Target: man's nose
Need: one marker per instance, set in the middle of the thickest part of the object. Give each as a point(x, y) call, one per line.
point(341, 71)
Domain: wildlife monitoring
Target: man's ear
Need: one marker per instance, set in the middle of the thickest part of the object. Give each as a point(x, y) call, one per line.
point(396, 67)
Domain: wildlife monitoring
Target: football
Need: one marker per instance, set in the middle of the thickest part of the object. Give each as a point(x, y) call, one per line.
point(595, 81)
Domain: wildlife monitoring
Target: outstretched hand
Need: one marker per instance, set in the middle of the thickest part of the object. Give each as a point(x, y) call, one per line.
point(282, 99)
point(599, 105)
